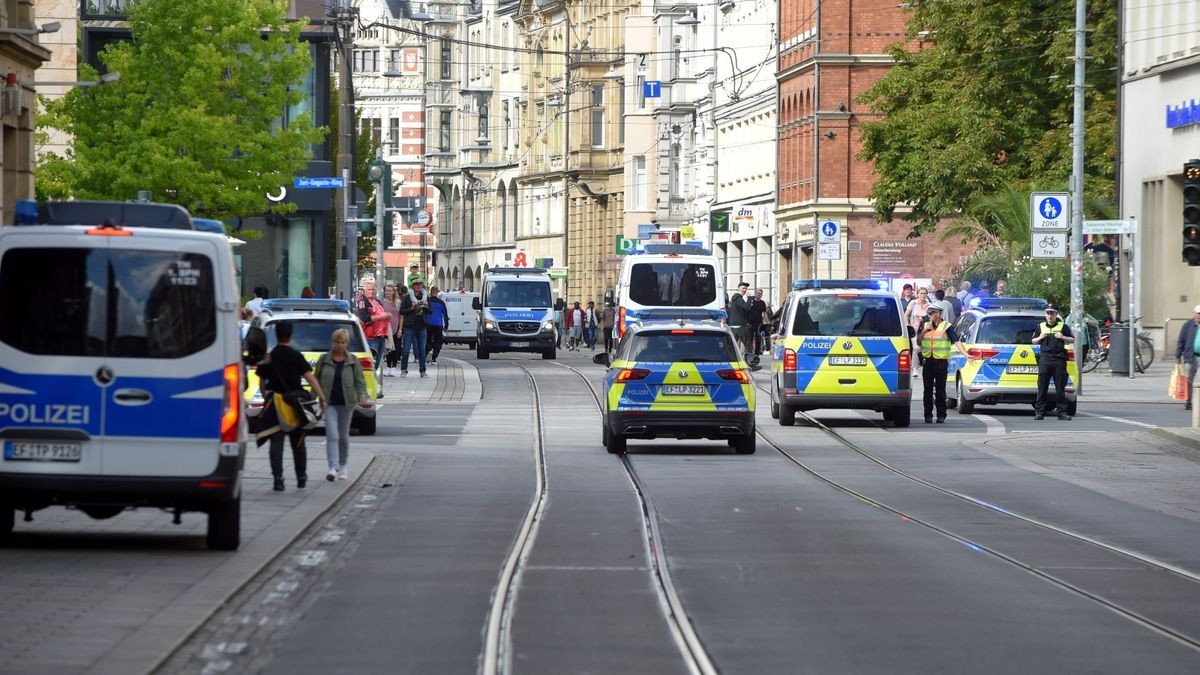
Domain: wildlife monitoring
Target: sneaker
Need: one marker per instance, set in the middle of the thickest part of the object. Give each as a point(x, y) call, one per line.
point(404, 373)
point(342, 475)
point(424, 374)
point(332, 475)
point(433, 362)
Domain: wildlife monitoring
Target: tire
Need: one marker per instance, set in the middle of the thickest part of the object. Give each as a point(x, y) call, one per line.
point(746, 445)
point(1091, 360)
point(225, 526)
point(1144, 353)
point(472, 345)
point(774, 410)
point(366, 426)
point(1072, 406)
point(481, 353)
point(787, 415)
point(604, 434)
point(8, 519)
point(617, 445)
point(964, 407)
point(549, 354)
point(901, 416)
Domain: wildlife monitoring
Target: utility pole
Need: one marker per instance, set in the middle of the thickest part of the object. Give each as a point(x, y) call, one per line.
point(566, 182)
point(1077, 192)
point(343, 16)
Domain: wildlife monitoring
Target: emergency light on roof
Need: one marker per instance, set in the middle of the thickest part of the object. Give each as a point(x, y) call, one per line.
point(1008, 303)
point(305, 305)
point(209, 225)
point(102, 213)
point(860, 284)
point(517, 270)
point(673, 249)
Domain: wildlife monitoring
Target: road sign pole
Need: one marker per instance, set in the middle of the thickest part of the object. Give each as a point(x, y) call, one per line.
point(1077, 189)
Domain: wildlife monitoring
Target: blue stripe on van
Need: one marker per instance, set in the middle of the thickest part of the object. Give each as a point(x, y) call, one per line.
point(54, 402)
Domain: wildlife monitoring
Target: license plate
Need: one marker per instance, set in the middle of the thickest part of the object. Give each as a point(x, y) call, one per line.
point(31, 451)
point(684, 389)
point(1023, 370)
point(847, 360)
point(518, 344)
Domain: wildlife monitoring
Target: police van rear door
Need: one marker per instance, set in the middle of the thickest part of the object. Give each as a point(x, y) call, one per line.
point(53, 367)
point(852, 344)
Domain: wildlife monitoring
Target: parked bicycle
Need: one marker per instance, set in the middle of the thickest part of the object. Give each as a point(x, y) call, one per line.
point(1098, 344)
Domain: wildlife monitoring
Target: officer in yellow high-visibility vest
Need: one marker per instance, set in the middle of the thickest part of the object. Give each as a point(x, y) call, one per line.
point(1053, 336)
point(937, 338)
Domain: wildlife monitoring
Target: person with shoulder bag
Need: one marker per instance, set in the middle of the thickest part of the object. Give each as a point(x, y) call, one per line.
point(342, 376)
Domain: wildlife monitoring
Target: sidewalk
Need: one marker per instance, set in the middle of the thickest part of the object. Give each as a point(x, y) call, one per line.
point(1102, 386)
point(451, 380)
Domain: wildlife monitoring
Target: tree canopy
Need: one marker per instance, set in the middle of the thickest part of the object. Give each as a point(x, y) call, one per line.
point(208, 112)
point(985, 103)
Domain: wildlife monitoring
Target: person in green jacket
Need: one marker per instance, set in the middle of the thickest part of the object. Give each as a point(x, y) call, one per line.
point(341, 375)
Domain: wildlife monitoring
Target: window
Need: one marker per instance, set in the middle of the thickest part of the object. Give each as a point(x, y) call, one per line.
point(673, 284)
point(676, 172)
point(444, 131)
point(504, 293)
point(700, 347)
point(483, 122)
point(641, 92)
point(598, 116)
point(315, 335)
point(1009, 330)
point(639, 182)
point(446, 60)
point(394, 134)
point(831, 315)
point(394, 60)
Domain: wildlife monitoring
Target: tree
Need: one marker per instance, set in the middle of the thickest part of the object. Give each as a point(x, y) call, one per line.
point(203, 114)
point(986, 104)
point(365, 145)
point(1051, 279)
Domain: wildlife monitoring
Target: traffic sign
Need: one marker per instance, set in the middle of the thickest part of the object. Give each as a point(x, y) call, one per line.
point(1110, 227)
point(408, 203)
point(829, 230)
point(1049, 211)
point(652, 89)
point(1049, 245)
point(318, 183)
point(423, 218)
point(829, 250)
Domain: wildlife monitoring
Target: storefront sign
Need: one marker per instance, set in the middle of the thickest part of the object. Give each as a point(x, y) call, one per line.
point(1183, 115)
point(745, 220)
point(894, 258)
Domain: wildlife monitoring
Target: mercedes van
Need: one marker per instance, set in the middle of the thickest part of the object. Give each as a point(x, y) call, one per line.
point(516, 312)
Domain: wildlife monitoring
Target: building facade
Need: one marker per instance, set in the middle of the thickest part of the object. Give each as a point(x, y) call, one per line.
point(21, 55)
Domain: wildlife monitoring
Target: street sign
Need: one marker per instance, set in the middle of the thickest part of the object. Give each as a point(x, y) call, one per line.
point(317, 183)
point(1049, 245)
point(829, 250)
point(1049, 211)
point(829, 230)
point(408, 203)
point(652, 89)
point(1110, 227)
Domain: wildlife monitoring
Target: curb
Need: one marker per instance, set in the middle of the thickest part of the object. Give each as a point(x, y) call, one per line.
point(1181, 436)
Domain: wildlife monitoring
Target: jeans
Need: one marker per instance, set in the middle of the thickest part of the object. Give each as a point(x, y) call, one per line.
point(337, 435)
point(299, 453)
point(414, 339)
point(435, 342)
point(376, 345)
point(589, 337)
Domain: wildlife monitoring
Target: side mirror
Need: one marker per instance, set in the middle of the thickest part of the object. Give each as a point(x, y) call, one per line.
point(601, 359)
point(912, 332)
point(475, 304)
point(254, 347)
point(608, 296)
point(560, 305)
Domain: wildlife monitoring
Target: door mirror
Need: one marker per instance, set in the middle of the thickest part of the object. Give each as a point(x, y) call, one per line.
point(254, 346)
point(475, 304)
point(608, 296)
point(560, 305)
point(912, 332)
point(601, 359)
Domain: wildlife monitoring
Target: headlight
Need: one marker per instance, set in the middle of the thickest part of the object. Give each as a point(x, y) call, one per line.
point(489, 325)
point(547, 326)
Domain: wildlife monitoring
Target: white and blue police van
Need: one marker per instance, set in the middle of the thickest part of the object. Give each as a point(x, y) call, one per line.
point(669, 282)
point(516, 312)
point(121, 367)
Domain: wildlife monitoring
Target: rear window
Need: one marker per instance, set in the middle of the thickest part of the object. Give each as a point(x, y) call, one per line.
point(832, 315)
point(316, 335)
point(100, 302)
point(673, 284)
point(697, 348)
point(1008, 330)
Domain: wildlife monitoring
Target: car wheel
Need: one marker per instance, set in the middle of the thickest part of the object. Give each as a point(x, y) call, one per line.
point(549, 354)
point(616, 444)
point(964, 407)
point(481, 353)
point(8, 519)
point(746, 445)
point(774, 406)
point(1072, 406)
point(604, 434)
point(787, 415)
point(901, 416)
point(225, 526)
point(366, 426)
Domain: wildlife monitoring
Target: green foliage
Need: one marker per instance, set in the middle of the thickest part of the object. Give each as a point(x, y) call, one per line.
point(985, 264)
point(987, 104)
point(1051, 279)
point(195, 117)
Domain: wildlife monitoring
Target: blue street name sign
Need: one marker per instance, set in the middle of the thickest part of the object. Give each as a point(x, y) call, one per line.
point(652, 89)
point(317, 183)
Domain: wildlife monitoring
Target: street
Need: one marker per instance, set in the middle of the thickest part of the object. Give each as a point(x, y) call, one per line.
point(466, 541)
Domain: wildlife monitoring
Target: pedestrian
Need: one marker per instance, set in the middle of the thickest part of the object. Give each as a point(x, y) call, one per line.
point(955, 303)
point(414, 307)
point(591, 324)
point(376, 322)
point(758, 316)
point(574, 327)
point(342, 376)
point(985, 290)
point(937, 337)
point(391, 349)
point(948, 311)
point(767, 328)
point(1053, 337)
point(414, 273)
point(608, 317)
point(307, 292)
point(559, 328)
point(1001, 289)
point(739, 316)
point(281, 373)
point(1187, 346)
point(906, 297)
point(918, 309)
point(436, 323)
point(964, 293)
point(255, 305)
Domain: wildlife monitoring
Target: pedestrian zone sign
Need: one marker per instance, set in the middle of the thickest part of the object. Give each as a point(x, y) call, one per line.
point(1049, 211)
point(829, 231)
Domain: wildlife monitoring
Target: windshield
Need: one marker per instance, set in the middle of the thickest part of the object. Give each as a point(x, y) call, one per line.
point(1008, 330)
point(868, 315)
point(505, 293)
point(697, 348)
point(317, 335)
point(673, 284)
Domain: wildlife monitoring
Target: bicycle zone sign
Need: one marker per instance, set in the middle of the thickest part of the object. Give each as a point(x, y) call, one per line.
point(1049, 214)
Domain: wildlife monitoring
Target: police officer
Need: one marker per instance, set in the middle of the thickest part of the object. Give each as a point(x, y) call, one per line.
point(937, 337)
point(1054, 335)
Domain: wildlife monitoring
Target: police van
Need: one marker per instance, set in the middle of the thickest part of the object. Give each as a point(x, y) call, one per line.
point(842, 344)
point(669, 282)
point(462, 317)
point(120, 365)
point(516, 312)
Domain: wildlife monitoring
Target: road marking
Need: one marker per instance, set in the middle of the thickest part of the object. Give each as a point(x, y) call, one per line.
point(994, 426)
point(1122, 420)
point(311, 558)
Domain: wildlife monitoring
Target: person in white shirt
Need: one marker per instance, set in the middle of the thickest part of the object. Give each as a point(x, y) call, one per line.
point(255, 304)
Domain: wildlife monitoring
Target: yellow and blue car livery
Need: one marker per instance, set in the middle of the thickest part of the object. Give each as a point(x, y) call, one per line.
point(676, 382)
point(842, 344)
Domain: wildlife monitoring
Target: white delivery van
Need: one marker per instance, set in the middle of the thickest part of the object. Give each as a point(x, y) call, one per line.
point(121, 368)
point(463, 317)
point(669, 282)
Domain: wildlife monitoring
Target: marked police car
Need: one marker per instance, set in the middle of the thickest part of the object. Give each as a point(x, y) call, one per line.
point(998, 334)
point(120, 365)
point(842, 344)
point(313, 322)
point(678, 380)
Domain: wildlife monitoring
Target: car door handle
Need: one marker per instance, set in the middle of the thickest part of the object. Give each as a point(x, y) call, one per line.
point(132, 396)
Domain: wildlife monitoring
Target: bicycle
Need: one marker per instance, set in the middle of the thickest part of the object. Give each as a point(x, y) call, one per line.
point(1143, 350)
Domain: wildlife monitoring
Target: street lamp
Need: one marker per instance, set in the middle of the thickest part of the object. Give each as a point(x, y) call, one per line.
point(106, 78)
point(51, 27)
point(688, 20)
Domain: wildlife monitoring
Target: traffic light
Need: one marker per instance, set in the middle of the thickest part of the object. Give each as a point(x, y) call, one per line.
point(1191, 212)
point(389, 232)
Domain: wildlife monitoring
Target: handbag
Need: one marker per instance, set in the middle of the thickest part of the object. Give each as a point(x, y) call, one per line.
point(1177, 385)
point(364, 312)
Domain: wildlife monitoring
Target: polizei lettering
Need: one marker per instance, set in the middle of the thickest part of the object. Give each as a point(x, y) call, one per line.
point(45, 413)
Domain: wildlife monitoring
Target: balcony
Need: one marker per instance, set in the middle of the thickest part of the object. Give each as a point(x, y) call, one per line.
point(440, 94)
point(441, 163)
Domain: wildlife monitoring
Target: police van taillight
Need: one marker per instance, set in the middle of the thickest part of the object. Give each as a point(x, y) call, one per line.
point(620, 322)
point(231, 417)
point(789, 360)
point(904, 361)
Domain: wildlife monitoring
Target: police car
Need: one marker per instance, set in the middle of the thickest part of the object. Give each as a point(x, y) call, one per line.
point(997, 333)
point(842, 344)
point(313, 321)
point(678, 380)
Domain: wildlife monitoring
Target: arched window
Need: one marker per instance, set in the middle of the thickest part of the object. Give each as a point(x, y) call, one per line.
point(502, 197)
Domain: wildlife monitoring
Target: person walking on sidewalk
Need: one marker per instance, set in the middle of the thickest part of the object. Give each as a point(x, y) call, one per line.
point(739, 318)
point(391, 347)
point(1053, 337)
point(608, 318)
point(342, 376)
point(591, 323)
point(574, 327)
point(438, 322)
point(376, 323)
point(937, 338)
point(1187, 346)
point(414, 307)
point(281, 373)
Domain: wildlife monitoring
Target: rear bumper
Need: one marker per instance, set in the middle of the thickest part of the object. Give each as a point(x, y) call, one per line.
point(495, 342)
point(988, 395)
point(848, 401)
point(190, 493)
point(654, 424)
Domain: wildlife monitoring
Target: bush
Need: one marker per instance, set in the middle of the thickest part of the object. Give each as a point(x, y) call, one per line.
point(1051, 279)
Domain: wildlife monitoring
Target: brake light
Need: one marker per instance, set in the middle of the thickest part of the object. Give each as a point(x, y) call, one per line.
point(982, 352)
point(738, 375)
point(232, 415)
point(366, 363)
point(847, 295)
point(212, 484)
point(789, 360)
point(904, 361)
point(682, 331)
point(628, 374)
point(108, 232)
point(621, 321)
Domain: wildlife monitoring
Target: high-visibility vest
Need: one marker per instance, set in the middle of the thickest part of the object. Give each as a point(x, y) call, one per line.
point(1053, 345)
point(935, 344)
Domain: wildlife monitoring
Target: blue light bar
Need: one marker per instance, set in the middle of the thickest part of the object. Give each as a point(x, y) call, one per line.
point(858, 284)
point(104, 213)
point(209, 225)
point(25, 212)
point(1008, 303)
point(305, 305)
